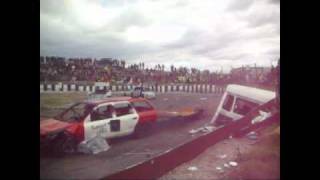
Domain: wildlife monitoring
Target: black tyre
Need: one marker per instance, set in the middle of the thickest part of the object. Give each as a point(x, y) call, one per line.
point(64, 144)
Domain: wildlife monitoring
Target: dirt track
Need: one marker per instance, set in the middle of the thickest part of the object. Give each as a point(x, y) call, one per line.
point(127, 151)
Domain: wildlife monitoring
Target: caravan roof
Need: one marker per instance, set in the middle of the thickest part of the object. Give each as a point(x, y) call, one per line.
point(259, 95)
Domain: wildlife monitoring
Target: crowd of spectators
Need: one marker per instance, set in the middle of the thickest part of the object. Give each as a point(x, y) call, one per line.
point(117, 71)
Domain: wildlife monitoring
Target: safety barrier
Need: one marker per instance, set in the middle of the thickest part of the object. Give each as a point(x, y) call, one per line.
point(163, 163)
point(163, 88)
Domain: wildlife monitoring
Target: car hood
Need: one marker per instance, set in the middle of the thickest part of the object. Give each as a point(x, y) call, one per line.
point(51, 125)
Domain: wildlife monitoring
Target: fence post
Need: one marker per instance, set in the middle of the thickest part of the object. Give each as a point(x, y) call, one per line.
point(49, 87)
point(41, 87)
point(80, 88)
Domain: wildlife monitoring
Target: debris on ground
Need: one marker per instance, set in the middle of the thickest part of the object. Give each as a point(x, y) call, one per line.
point(263, 115)
point(252, 135)
point(232, 163)
point(226, 165)
point(204, 129)
point(222, 156)
point(93, 146)
point(193, 131)
point(209, 128)
point(219, 169)
point(192, 168)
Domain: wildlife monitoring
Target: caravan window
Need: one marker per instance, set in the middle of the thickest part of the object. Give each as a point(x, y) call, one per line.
point(243, 107)
point(228, 103)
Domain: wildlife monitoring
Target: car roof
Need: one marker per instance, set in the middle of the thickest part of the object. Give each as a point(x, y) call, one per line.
point(252, 93)
point(113, 99)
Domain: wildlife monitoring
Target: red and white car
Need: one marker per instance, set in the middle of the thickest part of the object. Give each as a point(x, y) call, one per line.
point(109, 118)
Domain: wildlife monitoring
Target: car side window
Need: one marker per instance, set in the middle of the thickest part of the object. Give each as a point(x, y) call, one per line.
point(228, 103)
point(103, 112)
point(141, 106)
point(123, 109)
point(243, 106)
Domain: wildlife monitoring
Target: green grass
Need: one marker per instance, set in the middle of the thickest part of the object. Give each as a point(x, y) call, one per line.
point(60, 99)
point(53, 103)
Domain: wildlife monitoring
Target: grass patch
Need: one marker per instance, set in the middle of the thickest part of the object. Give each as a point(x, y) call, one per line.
point(60, 99)
point(52, 104)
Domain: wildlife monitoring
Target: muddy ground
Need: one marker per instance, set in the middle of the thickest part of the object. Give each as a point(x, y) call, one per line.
point(257, 159)
point(126, 151)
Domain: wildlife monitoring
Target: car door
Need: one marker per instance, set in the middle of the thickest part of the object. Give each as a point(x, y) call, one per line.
point(99, 120)
point(145, 111)
point(128, 117)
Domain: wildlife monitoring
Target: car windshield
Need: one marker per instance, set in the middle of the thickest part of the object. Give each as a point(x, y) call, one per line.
point(75, 113)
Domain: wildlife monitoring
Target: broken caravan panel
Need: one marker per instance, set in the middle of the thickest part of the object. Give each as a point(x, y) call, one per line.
point(237, 101)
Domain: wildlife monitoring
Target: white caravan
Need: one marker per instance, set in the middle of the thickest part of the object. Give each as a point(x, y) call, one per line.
point(237, 101)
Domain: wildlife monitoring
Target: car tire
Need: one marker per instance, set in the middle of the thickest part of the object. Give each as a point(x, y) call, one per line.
point(64, 144)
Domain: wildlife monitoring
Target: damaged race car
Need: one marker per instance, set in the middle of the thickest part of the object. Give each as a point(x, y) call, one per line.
point(107, 118)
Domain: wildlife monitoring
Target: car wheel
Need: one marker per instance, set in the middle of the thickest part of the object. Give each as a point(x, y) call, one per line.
point(69, 145)
point(64, 144)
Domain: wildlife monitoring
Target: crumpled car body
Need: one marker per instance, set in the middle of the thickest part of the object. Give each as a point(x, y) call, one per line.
point(109, 118)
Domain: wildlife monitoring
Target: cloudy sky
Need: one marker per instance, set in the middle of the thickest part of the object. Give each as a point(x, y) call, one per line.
point(206, 34)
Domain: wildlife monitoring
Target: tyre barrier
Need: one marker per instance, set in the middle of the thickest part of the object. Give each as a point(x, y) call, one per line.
point(163, 163)
point(188, 88)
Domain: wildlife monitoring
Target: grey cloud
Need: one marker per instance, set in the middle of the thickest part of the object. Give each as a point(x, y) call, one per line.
point(263, 19)
point(181, 3)
point(115, 3)
point(54, 8)
point(189, 38)
point(273, 51)
point(127, 19)
point(240, 5)
point(217, 44)
point(274, 1)
point(55, 40)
